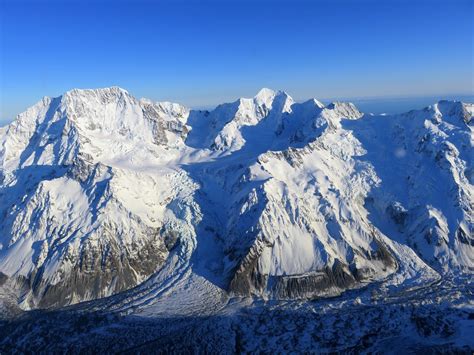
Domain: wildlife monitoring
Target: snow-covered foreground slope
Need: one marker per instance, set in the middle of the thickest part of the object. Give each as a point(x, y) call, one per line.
point(101, 192)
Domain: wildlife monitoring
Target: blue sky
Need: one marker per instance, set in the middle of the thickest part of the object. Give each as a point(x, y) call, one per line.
point(200, 53)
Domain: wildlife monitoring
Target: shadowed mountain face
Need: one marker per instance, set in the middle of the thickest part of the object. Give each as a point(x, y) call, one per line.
point(101, 192)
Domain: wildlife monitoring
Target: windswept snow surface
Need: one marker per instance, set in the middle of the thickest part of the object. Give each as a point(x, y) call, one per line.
point(154, 210)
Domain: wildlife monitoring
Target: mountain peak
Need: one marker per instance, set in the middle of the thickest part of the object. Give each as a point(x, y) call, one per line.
point(101, 92)
point(314, 102)
point(345, 109)
point(266, 96)
point(452, 111)
point(265, 93)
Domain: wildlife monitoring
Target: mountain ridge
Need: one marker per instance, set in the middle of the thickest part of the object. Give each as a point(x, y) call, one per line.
point(264, 196)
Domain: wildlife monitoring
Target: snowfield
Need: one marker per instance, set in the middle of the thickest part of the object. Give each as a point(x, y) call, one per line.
point(260, 208)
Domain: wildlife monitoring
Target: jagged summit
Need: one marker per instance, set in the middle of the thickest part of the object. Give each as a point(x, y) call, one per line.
point(453, 109)
point(264, 100)
point(102, 95)
point(266, 96)
point(115, 90)
point(314, 102)
point(346, 109)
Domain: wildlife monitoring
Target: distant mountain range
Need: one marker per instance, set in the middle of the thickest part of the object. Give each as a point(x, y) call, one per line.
point(101, 193)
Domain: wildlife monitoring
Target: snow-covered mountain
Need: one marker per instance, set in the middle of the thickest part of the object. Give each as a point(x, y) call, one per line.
point(101, 192)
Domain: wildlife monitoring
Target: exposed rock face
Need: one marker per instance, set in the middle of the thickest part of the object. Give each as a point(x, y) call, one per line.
point(100, 191)
point(100, 268)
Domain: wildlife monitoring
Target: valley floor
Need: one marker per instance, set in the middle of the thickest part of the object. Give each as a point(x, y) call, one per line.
point(435, 318)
